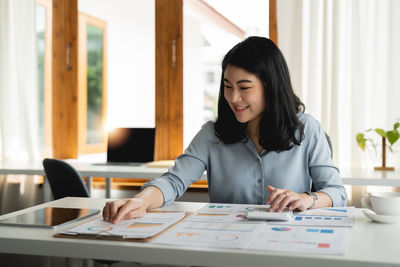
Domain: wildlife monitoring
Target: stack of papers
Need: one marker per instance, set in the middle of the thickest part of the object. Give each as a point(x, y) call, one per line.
point(323, 231)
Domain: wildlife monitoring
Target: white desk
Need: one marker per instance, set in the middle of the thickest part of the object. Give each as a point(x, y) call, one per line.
point(370, 244)
point(354, 176)
point(87, 170)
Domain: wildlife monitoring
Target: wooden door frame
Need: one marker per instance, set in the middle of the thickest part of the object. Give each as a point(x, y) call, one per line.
point(169, 79)
point(65, 79)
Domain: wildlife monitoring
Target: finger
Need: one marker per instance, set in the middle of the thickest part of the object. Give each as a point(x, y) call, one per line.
point(106, 211)
point(115, 206)
point(273, 194)
point(286, 201)
point(125, 209)
point(277, 202)
point(135, 214)
point(270, 188)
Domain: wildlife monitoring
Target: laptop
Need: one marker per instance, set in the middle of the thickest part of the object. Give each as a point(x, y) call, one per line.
point(130, 146)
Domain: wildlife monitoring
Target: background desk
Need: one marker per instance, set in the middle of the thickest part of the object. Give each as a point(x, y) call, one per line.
point(353, 176)
point(370, 245)
point(88, 170)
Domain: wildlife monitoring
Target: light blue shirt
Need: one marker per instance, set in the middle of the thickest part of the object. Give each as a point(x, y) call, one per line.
point(237, 173)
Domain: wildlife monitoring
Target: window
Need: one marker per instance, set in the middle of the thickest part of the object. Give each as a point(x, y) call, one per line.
point(91, 84)
point(43, 44)
point(210, 78)
point(211, 28)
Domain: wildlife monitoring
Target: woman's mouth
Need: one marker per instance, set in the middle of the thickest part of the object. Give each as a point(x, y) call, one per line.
point(240, 108)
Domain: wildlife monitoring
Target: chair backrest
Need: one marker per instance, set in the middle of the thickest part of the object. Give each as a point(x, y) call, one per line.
point(64, 180)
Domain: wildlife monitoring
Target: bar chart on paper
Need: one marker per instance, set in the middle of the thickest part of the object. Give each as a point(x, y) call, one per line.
point(323, 240)
point(343, 217)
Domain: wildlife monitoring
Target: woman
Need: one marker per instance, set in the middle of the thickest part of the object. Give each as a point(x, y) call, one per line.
point(262, 149)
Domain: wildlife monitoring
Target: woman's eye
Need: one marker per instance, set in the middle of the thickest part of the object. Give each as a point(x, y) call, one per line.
point(228, 87)
point(244, 88)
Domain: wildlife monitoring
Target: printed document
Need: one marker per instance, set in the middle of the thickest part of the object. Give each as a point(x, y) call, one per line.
point(302, 239)
point(149, 225)
point(211, 234)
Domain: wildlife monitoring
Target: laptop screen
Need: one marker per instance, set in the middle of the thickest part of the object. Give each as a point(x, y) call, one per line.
point(131, 145)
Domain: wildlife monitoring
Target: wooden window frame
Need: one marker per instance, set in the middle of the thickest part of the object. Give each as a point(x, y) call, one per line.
point(83, 20)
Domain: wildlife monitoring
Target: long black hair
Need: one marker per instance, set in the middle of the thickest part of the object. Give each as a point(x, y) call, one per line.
point(279, 127)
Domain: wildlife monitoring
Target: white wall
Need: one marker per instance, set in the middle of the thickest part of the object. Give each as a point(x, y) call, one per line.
point(193, 80)
point(130, 59)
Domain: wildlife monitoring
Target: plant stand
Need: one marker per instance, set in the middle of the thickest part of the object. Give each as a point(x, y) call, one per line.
point(383, 167)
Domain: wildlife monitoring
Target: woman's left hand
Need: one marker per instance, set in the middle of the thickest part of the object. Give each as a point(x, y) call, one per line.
point(280, 198)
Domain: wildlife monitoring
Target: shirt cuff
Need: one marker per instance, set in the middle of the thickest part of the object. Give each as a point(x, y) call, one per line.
point(165, 189)
point(337, 195)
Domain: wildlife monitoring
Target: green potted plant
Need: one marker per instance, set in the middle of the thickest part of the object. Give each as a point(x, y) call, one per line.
point(392, 136)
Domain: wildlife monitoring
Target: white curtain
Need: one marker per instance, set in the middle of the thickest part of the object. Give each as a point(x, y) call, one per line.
point(18, 81)
point(344, 59)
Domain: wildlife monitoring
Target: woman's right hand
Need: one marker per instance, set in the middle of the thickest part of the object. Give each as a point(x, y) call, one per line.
point(124, 209)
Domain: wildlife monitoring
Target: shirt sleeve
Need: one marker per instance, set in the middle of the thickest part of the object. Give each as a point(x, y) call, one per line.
point(325, 176)
point(188, 167)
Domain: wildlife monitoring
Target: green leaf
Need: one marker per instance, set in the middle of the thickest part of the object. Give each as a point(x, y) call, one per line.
point(396, 125)
point(392, 136)
point(360, 137)
point(361, 141)
point(381, 132)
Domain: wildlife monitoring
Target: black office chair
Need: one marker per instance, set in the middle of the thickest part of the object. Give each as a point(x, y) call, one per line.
point(64, 180)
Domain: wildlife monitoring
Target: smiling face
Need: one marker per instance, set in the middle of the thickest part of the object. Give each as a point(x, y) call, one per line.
point(245, 94)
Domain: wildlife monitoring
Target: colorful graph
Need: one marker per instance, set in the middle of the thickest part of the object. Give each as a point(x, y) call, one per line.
point(99, 228)
point(317, 230)
point(184, 234)
point(339, 210)
point(219, 207)
point(297, 242)
point(313, 217)
point(143, 224)
point(281, 229)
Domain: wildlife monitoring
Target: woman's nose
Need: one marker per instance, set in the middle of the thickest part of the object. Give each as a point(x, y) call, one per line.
point(235, 96)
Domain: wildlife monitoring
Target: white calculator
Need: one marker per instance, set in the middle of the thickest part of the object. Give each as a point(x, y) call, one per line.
point(269, 216)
